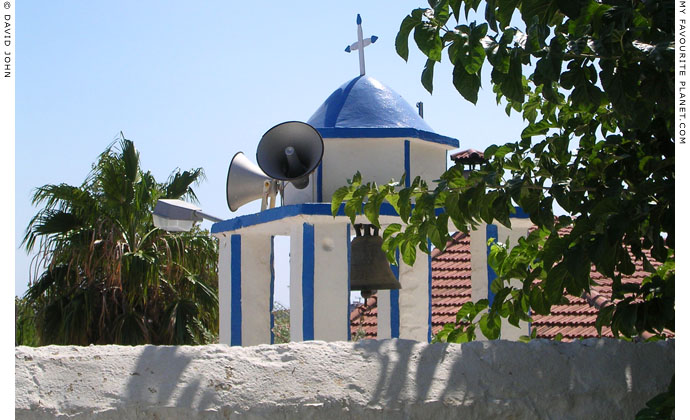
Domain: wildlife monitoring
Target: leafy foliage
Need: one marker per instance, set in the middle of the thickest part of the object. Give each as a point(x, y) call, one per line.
point(281, 324)
point(24, 327)
point(660, 407)
point(598, 142)
point(105, 274)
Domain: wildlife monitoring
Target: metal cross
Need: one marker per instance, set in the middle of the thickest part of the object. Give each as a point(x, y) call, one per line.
point(360, 44)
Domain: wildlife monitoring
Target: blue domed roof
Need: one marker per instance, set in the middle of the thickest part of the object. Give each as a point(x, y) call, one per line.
point(365, 107)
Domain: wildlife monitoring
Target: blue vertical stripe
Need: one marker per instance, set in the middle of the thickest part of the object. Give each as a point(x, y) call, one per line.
point(236, 290)
point(307, 281)
point(395, 299)
point(319, 183)
point(491, 232)
point(349, 244)
point(273, 277)
point(408, 180)
point(428, 245)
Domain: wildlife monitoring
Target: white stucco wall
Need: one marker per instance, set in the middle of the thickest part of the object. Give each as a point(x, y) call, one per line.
point(377, 159)
point(383, 314)
point(331, 289)
point(414, 299)
point(296, 266)
point(224, 288)
point(427, 160)
point(591, 379)
point(480, 284)
point(257, 275)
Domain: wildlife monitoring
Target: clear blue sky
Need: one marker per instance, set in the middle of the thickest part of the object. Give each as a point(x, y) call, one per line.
point(193, 85)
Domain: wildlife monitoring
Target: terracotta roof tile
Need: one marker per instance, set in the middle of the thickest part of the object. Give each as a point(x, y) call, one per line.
point(452, 287)
point(469, 155)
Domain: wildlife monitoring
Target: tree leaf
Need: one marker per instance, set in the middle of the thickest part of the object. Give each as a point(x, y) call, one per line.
point(543, 10)
point(428, 40)
point(505, 12)
point(428, 75)
point(604, 317)
point(410, 22)
point(465, 83)
point(405, 204)
point(586, 97)
point(353, 207)
point(490, 326)
point(511, 85)
point(536, 129)
point(336, 200)
point(466, 313)
point(409, 252)
point(441, 12)
point(371, 211)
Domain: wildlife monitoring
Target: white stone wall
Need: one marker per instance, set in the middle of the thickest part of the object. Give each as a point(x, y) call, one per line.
point(387, 379)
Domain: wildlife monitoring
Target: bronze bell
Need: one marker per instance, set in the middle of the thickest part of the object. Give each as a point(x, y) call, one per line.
point(369, 267)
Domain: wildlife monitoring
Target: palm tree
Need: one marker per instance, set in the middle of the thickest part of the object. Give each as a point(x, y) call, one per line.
point(106, 274)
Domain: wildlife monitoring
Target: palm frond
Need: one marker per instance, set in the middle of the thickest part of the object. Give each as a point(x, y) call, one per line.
point(104, 274)
point(49, 222)
point(181, 314)
point(130, 329)
point(61, 196)
point(130, 160)
point(50, 279)
point(179, 184)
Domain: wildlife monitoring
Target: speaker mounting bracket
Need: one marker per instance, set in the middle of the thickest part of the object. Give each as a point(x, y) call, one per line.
point(268, 198)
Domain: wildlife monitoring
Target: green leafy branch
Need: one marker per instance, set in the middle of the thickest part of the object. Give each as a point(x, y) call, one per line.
point(598, 143)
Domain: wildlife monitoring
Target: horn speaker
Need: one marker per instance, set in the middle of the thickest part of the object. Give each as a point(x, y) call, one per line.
point(246, 182)
point(290, 151)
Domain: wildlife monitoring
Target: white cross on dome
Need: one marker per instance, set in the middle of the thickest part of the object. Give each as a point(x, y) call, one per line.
point(360, 44)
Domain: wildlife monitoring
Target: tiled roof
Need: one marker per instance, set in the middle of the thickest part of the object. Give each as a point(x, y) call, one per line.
point(468, 156)
point(451, 281)
point(452, 287)
point(363, 320)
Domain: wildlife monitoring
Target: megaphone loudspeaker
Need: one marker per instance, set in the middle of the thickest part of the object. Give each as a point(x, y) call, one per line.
point(246, 182)
point(290, 151)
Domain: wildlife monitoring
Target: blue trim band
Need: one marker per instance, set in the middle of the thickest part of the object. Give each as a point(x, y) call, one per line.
point(272, 292)
point(349, 244)
point(236, 290)
point(305, 209)
point(491, 232)
point(408, 174)
point(395, 299)
point(307, 282)
point(319, 183)
point(395, 313)
point(428, 244)
point(519, 214)
point(278, 213)
point(388, 132)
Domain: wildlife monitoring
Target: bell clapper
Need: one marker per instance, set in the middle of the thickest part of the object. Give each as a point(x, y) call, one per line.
point(367, 293)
